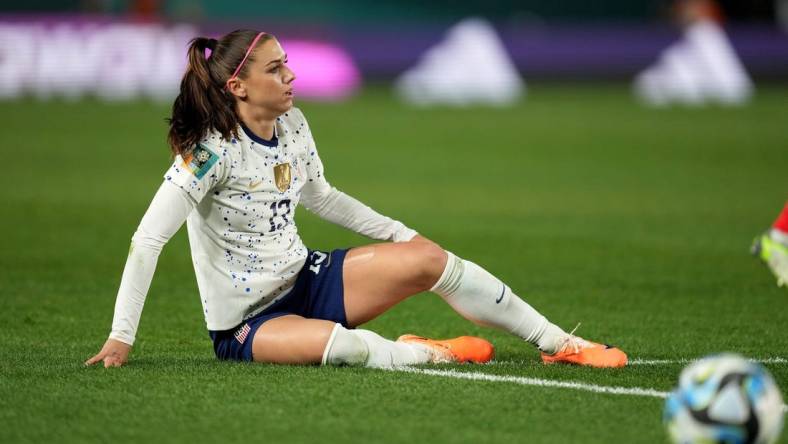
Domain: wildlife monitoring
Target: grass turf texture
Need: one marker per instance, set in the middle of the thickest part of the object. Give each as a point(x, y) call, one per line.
point(634, 221)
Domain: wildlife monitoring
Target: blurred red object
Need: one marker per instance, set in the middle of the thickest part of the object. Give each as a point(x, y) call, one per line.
point(145, 10)
point(692, 11)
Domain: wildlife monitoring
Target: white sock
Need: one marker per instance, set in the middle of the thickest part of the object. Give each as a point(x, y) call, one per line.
point(779, 236)
point(364, 347)
point(481, 298)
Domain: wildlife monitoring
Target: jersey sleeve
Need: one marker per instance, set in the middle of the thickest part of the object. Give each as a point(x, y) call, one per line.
point(199, 171)
point(320, 198)
point(165, 215)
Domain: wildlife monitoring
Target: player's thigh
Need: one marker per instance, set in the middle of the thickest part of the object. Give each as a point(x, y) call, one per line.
point(291, 339)
point(378, 276)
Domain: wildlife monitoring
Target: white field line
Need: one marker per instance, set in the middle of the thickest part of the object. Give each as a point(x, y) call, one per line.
point(476, 376)
point(769, 360)
point(774, 360)
point(537, 382)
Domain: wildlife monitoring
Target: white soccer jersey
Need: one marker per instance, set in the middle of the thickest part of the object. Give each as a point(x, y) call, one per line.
point(244, 242)
point(240, 197)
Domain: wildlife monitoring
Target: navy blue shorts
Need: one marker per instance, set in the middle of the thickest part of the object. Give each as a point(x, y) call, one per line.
point(316, 295)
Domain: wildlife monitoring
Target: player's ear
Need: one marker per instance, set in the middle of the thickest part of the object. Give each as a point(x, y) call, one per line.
point(236, 88)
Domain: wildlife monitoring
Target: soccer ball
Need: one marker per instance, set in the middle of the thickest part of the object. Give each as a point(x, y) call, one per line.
point(724, 399)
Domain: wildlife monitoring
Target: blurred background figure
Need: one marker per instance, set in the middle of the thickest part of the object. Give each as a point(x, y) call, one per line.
point(772, 247)
point(470, 66)
point(781, 10)
point(701, 67)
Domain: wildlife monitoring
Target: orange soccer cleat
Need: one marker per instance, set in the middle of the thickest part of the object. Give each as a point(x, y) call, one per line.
point(576, 350)
point(459, 350)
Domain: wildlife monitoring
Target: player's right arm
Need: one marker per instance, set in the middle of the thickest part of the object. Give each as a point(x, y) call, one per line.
point(167, 212)
point(185, 185)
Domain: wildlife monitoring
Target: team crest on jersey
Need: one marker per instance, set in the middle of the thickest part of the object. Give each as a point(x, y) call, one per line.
point(200, 160)
point(282, 176)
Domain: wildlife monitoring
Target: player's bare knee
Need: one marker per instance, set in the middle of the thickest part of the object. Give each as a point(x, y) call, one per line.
point(431, 261)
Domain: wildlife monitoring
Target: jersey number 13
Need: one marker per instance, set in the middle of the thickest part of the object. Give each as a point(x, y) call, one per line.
point(280, 210)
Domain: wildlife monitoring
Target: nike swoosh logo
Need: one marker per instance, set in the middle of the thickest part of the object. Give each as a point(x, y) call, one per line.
point(500, 298)
point(253, 185)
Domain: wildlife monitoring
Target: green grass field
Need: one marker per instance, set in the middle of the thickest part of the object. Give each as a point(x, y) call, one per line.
point(635, 222)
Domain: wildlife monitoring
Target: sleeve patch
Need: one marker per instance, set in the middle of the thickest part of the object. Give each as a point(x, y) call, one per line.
point(199, 161)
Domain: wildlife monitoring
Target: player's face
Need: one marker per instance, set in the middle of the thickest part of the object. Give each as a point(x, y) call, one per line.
point(268, 83)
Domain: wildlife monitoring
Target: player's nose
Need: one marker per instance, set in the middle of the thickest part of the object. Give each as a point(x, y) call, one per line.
point(289, 75)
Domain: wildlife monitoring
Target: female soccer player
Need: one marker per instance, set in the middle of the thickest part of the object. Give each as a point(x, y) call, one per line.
point(244, 158)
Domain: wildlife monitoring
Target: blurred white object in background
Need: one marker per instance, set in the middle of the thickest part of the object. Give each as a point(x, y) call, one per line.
point(703, 67)
point(72, 59)
point(470, 66)
point(117, 61)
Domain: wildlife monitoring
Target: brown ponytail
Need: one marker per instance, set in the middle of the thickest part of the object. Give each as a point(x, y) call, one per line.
point(203, 103)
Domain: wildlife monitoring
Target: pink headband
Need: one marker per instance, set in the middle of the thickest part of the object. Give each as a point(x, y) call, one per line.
point(248, 51)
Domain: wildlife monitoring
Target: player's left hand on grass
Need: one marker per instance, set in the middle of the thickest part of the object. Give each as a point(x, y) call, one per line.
point(114, 353)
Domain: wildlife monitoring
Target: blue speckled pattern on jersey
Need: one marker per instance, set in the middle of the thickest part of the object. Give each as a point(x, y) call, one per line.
point(244, 242)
